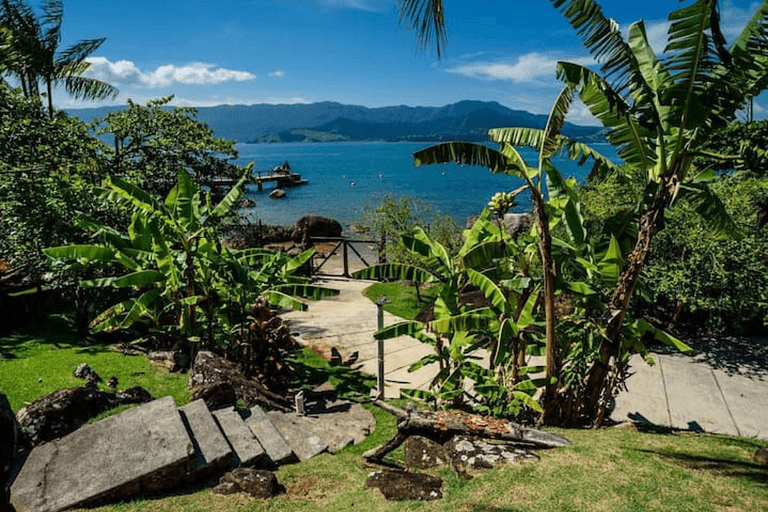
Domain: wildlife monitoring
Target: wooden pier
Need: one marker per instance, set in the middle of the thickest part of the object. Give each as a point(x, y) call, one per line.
point(282, 178)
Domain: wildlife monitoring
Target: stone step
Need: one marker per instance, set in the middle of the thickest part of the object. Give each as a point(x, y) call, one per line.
point(304, 443)
point(277, 448)
point(142, 450)
point(248, 450)
point(211, 447)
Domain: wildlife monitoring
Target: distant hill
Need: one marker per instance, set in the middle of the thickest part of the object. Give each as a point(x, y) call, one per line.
point(330, 121)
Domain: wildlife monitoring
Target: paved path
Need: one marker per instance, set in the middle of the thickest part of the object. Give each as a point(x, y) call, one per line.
point(347, 322)
point(723, 389)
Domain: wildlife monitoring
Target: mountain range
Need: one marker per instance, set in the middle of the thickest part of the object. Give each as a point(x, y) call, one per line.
point(331, 121)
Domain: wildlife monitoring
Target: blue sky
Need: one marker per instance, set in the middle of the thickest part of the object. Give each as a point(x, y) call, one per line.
point(350, 51)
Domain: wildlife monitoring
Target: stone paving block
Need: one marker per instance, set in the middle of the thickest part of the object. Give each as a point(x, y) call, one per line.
point(247, 448)
point(644, 401)
point(695, 401)
point(212, 450)
point(277, 448)
point(747, 403)
point(304, 444)
point(141, 450)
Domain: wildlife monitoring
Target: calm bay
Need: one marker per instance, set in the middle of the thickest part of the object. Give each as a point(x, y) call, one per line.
point(346, 177)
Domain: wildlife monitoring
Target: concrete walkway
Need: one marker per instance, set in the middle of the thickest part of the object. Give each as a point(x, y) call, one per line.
point(347, 322)
point(723, 389)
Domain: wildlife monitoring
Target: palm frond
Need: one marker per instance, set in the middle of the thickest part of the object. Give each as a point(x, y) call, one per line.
point(601, 36)
point(427, 19)
point(79, 51)
point(89, 88)
point(462, 153)
point(634, 142)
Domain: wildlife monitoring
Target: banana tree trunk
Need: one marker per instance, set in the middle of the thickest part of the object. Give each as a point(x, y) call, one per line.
point(651, 222)
point(548, 269)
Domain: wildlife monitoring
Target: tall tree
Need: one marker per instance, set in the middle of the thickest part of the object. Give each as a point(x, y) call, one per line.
point(37, 59)
point(657, 111)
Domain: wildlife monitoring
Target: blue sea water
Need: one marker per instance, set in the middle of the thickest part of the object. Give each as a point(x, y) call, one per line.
point(344, 177)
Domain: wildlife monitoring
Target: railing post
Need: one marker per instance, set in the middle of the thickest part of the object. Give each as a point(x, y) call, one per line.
point(380, 345)
point(346, 259)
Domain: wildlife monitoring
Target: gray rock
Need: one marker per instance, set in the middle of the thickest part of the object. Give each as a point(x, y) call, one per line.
point(257, 483)
point(315, 226)
point(303, 443)
point(423, 453)
point(142, 450)
point(761, 457)
point(84, 371)
point(65, 410)
point(9, 434)
point(211, 448)
point(277, 193)
point(277, 448)
point(221, 382)
point(399, 485)
point(469, 456)
point(247, 448)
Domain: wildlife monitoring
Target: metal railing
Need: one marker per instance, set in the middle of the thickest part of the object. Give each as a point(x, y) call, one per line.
point(346, 245)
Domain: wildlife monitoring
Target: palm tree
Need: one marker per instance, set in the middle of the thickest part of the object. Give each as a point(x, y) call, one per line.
point(35, 44)
point(657, 112)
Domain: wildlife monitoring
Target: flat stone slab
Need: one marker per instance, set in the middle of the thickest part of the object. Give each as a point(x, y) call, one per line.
point(247, 448)
point(304, 444)
point(141, 450)
point(211, 447)
point(277, 448)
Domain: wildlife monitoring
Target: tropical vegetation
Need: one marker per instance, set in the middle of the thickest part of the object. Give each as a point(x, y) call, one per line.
point(658, 112)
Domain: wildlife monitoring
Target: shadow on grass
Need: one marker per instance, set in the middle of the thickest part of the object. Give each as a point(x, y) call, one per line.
point(717, 466)
point(313, 371)
point(55, 329)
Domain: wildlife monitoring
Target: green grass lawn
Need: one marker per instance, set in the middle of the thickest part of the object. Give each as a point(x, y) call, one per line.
point(611, 470)
point(404, 302)
point(615, 469)
point(48, 350)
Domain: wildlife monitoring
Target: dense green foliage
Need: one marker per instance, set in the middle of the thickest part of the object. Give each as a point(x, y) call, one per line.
point(395, 216)
point(151, 142)
point(47, 168)
point(186, 287)
point(743, 140)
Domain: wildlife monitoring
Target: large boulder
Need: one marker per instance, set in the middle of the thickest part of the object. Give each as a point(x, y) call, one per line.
point(257, 483)
point(64, 411)
point(399, 485)
point(469, 455)
point(219, 382)
point(315, 226)
point(9, 434)
point(423, 453)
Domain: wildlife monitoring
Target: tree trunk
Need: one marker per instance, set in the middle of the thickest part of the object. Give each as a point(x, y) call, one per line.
point(549, 270)
point(50, 97)
point(651, 222)
point(441, 426)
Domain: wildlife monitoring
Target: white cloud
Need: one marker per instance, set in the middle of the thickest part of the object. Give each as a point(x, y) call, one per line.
point(277, 73)
point(531, 67)
point(196, 73)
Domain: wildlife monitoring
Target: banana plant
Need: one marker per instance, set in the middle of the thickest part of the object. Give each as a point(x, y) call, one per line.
point(174, 271)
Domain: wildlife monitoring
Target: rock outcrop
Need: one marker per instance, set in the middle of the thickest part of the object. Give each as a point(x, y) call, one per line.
point(257, 483)
point(399, 485)
point(64, 411)
point(315, 226)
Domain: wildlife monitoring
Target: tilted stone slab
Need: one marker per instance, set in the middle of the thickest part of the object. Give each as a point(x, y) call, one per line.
point(248, 450)
point(211, 447)
point(304, 444)
point(141, 450)
point(277, 448)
